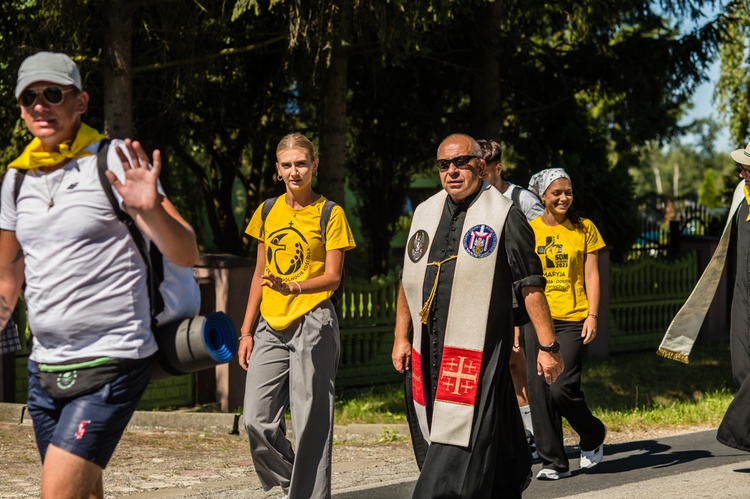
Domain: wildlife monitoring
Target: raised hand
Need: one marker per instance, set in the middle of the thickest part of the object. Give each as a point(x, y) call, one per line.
point(139, 189)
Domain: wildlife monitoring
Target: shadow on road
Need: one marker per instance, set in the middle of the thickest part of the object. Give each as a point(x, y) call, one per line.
point(644, 454)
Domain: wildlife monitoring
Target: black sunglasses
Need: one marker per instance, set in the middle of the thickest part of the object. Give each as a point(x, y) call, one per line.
point(53, 95)
point(461, 162)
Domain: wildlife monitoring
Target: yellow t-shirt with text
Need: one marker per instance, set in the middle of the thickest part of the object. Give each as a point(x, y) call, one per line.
point(294, 252)
point(562, 249)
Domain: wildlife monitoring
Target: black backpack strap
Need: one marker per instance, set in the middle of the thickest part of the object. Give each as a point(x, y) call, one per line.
point(152, 256)
point(156, 274)
point(267, 205)
point(515, 196)
point(325, 216)
point(20, 175)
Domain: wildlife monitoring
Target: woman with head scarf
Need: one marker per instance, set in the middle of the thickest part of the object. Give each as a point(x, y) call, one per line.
point(567, 246)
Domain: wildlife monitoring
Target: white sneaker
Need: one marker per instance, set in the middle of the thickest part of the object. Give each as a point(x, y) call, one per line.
point(549, 474)
point(590, 458)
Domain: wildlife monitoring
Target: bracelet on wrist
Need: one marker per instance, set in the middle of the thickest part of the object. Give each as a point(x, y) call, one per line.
point(244, 336)
point(298, 287)
point(594, 316)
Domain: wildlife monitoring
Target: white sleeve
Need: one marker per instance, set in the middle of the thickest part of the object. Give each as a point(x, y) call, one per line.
point(531, 206)
point(8, 200)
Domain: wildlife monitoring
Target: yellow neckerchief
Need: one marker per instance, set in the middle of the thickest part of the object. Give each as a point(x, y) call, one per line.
point(34, 156)
point(747, 199)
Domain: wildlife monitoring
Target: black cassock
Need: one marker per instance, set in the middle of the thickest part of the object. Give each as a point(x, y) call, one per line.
point(734, 430)
point(497, 462)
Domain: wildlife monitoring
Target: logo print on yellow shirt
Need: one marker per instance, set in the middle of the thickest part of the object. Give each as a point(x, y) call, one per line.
point(284, 251)
point(551, 252)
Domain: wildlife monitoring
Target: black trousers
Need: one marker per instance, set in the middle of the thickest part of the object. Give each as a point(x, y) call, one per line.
point(734, 430)
point(497, 462)
point(562, 399)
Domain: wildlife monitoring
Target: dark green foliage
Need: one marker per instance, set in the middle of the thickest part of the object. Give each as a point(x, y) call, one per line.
point(220, 116)
point(733, 88)
point(709, 194)
point(583, 85)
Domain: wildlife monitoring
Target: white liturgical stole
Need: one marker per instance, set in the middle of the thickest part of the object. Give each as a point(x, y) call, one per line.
point(458, 379)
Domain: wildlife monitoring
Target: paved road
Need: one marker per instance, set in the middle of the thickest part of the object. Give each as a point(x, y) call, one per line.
point(694, 465)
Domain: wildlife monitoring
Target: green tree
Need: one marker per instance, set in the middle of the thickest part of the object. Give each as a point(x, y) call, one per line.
point(679, 168)
point(584, 85)
point(219, 104)
point(733, 88)
point(709, 194)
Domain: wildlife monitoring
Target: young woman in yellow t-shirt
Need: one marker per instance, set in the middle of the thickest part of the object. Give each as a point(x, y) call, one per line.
point(567, 245)
point(291, 356)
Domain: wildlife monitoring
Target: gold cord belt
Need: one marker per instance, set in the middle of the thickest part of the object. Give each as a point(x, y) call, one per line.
point(425, 312)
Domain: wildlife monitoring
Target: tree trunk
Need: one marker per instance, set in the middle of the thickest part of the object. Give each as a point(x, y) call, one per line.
point(485, 113)
point(117, 70)
point(332, 172)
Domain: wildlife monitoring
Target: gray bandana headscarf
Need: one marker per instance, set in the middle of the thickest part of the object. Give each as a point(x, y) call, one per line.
point(540, 181)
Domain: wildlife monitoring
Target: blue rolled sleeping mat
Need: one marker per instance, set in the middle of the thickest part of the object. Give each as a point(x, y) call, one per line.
point(193, 344)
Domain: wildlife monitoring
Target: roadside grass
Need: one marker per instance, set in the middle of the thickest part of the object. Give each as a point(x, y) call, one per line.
point(377, 405)
point(632, 391)
point(640, 390)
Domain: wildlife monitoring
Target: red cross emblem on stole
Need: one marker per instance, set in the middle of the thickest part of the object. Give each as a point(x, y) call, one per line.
point(417, 386)
point(459, 376)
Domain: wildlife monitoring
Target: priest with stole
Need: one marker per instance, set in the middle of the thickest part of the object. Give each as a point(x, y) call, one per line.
point(468, 251)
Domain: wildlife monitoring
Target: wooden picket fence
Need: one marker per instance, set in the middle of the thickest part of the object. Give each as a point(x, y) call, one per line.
point(645, 296)
point(367, 315)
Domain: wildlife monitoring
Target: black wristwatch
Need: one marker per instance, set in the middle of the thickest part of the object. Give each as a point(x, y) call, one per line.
point(553, 348)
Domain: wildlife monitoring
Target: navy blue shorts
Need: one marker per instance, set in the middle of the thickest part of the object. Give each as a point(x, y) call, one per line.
point(89, 426)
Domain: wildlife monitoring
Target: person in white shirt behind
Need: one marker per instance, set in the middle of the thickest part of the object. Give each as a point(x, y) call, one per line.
point(531, 207)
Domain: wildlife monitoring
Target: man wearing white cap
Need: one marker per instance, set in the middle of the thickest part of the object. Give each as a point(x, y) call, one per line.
point(86, 282)
point(734, 430)
point(678, 341)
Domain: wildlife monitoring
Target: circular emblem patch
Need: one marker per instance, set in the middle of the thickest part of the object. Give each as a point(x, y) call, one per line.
point(417, 245)
point(480, 241)
point(67, 379)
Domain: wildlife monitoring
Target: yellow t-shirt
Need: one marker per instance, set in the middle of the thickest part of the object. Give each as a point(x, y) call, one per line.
point(295, 252)
point(561, 250)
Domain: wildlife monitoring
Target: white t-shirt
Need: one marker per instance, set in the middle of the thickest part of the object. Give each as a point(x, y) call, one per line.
point(529, 204)
point(86, 283)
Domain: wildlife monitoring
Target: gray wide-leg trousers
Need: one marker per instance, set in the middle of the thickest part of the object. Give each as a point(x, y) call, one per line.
point(294, 368)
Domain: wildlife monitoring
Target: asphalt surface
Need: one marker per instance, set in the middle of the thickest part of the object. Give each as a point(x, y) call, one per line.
point(693, 465)
point(690, 465)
